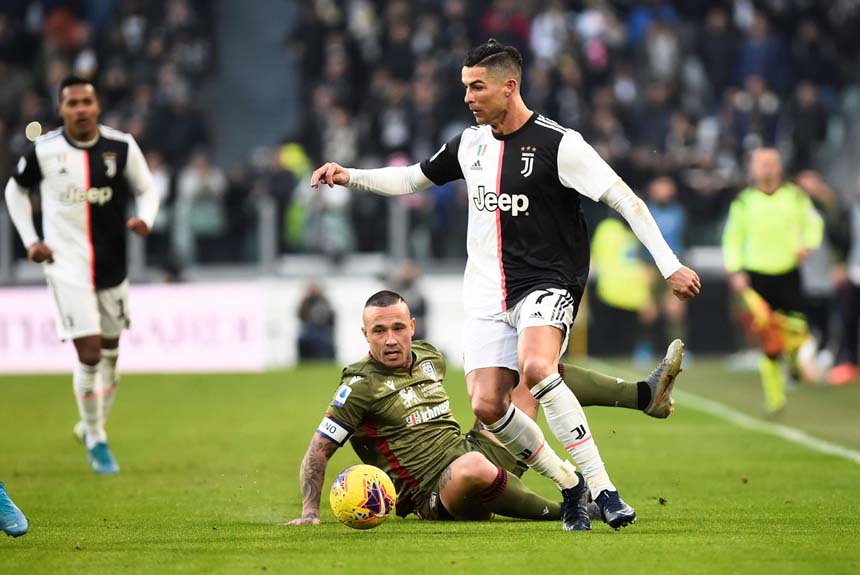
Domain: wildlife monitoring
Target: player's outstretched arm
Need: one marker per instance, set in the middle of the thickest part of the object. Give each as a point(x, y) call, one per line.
point(312, 477)
point(390, 181)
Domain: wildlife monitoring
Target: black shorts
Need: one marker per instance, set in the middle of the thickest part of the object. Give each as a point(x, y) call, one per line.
point(781, 292)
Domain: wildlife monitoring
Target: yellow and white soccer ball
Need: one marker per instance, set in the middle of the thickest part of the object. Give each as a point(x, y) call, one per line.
point(362, 496)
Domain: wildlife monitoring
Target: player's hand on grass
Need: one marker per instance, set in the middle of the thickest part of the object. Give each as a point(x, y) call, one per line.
point(685, 283)
point(138, 226)
point(39, 252)
point(331, 174)
point(306, 519)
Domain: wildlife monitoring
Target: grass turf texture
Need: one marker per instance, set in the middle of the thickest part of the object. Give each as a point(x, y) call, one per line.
point(210, 465)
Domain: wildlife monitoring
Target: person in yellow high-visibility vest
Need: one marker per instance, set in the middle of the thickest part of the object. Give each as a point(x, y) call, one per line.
point(772, 227)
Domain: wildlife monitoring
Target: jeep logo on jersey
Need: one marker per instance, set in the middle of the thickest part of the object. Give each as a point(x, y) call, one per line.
point(110, 164)
point(528, 158)
point(490, 201)
point(74, 195)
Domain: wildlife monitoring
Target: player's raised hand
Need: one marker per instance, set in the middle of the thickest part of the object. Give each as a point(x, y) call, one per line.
point(138, 226)
point(685, 283)
point(331, 174)
point(40, 252)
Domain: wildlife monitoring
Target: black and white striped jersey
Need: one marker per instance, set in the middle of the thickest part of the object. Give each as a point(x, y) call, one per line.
point(85, 195)
point(526, 228)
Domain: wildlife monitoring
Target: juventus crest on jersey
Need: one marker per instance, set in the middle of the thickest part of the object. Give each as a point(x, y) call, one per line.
point(85, 194)
point(526, 227)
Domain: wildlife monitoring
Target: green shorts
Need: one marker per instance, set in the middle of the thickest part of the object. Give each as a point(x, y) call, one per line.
point(427, 502)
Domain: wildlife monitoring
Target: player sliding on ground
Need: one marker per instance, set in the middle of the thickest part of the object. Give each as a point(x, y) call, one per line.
point(393, 408)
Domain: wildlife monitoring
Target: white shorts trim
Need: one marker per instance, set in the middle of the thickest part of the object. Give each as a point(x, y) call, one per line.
point(81, 312)
point(491, 341)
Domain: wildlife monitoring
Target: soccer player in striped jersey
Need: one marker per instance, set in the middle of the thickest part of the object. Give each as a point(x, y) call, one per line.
point(87, 175)
point(393, 409)
point(528, 257)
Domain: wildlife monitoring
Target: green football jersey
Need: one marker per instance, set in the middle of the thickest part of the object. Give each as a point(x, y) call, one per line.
point(397, 420)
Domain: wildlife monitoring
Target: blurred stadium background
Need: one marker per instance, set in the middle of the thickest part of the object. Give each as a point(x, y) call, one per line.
point(234, 104)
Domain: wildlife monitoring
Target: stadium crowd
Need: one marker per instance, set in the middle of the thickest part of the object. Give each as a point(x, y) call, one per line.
point(675, 95)
point(678, 89)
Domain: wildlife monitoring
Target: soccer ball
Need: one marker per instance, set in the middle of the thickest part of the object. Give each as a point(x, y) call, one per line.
point(362, 496)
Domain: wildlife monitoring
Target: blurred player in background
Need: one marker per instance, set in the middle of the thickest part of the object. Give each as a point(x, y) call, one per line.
point(772, 227)
point(393, 408)
point(87, 174)
point(12, 520)
point(528, 262)
point(847, 367)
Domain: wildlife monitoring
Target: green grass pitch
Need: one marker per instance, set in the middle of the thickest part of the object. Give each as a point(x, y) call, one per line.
point(210, 467)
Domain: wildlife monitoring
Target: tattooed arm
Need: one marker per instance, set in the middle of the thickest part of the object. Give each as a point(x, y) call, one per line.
point(312, 477)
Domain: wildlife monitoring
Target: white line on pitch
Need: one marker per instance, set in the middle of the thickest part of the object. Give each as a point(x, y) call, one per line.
point(741, 419)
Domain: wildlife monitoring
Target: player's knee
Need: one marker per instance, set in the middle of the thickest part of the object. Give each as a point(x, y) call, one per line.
point(475, 469)
point(535, 370)
point(489, 409)
point(89, 356)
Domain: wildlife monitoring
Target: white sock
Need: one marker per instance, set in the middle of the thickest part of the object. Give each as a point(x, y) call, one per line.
point(567, 420)
point(522, 437)
point(89, 402)
point(108, 380)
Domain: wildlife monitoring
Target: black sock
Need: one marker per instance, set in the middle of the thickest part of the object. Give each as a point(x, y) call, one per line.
point(644, 395)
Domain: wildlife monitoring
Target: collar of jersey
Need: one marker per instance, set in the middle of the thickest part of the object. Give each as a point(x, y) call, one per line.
point(529, 122)
point(82, 145)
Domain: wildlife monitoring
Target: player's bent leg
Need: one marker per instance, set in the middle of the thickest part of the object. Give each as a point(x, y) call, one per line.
point(108, 380)
point(515, 430)
point(593, 388)
point(473, 488)
point(490, 392)
point(538, 349)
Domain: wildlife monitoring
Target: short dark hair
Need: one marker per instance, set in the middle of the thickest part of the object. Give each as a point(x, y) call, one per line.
point(384, 298)
point(494, 55)
point(73, 80)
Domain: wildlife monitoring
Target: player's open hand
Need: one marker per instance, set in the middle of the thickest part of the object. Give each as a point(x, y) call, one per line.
point(331, 174)
point(685, 283)
point(40, 252)
point(138, 226)
point(306, 519)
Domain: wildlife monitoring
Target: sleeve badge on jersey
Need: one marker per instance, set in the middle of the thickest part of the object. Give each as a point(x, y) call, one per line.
point(342, 393)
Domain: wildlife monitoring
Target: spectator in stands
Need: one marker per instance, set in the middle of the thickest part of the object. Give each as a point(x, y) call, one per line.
point(406, 284)
point(317, 322)
point(198, 210)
